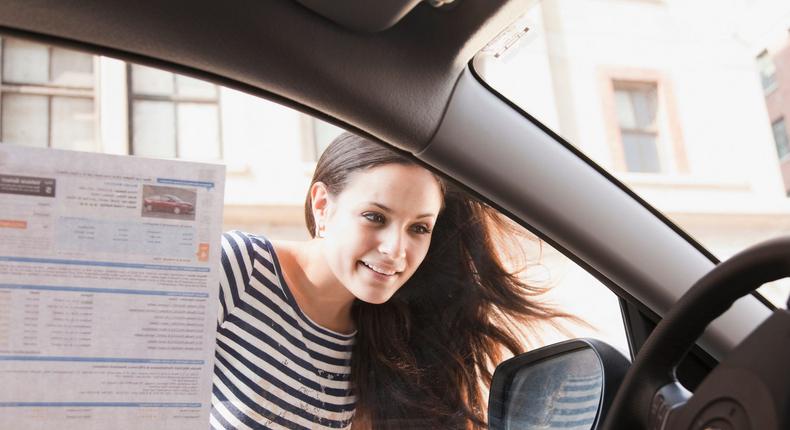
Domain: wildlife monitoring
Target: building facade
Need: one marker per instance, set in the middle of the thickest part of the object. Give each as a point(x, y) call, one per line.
point(666, 95)
point(774, 65)
point(59, 98)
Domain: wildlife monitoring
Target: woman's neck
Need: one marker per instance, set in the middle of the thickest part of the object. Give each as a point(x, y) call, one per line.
point(316, 290)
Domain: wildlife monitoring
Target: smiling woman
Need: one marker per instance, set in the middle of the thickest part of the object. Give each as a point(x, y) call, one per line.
point(391, 316)
point(378, 220)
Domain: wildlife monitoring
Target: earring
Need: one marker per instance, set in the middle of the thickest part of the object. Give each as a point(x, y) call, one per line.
point(320, 228)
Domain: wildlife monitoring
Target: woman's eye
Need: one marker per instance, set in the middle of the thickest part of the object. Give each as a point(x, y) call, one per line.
point(374, 217)
point(421, 229)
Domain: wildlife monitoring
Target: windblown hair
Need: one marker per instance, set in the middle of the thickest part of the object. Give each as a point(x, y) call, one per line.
point(419, 359)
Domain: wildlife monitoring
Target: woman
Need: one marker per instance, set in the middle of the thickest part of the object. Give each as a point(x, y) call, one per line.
point(392, 316)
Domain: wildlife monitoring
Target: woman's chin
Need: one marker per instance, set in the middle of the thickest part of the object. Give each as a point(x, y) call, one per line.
point(373, 296)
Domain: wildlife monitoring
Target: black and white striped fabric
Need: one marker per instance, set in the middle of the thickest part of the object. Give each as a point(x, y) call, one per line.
point(274, 367)
point(576, 404)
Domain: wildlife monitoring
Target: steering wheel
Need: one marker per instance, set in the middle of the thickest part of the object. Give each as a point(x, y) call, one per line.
point(651, 397)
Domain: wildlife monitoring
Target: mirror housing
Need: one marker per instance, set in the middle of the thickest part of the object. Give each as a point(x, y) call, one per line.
point(568, 385)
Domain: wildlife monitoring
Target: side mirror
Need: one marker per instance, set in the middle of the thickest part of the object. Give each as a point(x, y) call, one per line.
point(568, 385)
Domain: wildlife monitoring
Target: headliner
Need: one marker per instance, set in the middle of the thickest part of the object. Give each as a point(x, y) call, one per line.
point(393, 85)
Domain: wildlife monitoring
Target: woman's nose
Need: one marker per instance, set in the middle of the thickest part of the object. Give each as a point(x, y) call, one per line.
point(392, 244)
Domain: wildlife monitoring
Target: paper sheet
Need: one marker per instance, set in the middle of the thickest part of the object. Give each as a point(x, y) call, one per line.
point(108, 290)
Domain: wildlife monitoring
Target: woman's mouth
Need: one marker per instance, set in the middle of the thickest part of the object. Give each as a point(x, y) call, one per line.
point(379, 270)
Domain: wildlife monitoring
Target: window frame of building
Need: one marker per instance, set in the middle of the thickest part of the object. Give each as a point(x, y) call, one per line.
point(50, 90)
point(672, 157)
point(176, 99)
point(632, 91)
point(767, 71)
point(312, 146)
point(781, 138)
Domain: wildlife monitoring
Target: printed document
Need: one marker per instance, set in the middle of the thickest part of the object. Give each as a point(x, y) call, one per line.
point(108, 290)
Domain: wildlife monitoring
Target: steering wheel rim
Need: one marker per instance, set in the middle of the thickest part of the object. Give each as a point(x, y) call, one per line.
point(636, 405)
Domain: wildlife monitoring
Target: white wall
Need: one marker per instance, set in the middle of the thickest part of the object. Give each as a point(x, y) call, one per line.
point(705, 65)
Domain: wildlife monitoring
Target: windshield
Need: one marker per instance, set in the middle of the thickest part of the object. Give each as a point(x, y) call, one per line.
point(684, 102)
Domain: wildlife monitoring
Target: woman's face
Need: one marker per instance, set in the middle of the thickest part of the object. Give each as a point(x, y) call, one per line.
point(378, 229)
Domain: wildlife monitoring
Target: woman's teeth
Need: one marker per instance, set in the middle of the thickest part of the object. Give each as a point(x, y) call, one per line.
point(379, 269)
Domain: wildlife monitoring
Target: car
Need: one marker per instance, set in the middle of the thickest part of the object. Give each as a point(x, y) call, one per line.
point(168, 203)
point(707, 350)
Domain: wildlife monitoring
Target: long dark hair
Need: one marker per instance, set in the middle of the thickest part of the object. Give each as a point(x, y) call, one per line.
point(419, 359)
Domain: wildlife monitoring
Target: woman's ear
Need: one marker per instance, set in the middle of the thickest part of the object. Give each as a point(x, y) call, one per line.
point(319, 196)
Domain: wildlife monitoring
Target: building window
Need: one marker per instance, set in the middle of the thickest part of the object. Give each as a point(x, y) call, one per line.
point(47, 96)
point(317, 135)
point(767, 72)
point(637, 107)
point(173, 116)
point(780, 138)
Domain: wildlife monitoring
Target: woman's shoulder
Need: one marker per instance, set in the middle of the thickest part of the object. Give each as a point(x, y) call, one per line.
point(284, 247)
point(253, 245)
point(243, 235)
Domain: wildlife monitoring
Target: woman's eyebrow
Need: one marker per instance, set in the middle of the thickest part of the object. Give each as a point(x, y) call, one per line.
point(386, 209)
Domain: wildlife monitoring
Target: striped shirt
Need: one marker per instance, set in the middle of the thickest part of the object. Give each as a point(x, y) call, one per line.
point(576, 403)
point(274, 367)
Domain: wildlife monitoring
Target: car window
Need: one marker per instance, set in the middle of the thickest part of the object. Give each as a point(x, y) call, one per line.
point(57, 98)
point(684, 102)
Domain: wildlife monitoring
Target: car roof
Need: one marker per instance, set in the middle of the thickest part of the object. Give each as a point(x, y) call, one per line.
point(404, 79)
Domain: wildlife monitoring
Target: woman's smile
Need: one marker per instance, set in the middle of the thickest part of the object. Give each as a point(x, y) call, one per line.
point(379, 270)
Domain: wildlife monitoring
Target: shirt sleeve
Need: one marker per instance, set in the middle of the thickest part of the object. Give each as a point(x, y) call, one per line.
point(236, 268)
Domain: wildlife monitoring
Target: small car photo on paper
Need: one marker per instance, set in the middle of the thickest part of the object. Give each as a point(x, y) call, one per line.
point(169, 202)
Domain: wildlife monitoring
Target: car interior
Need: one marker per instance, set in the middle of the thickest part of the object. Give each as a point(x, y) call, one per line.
point(706, 351)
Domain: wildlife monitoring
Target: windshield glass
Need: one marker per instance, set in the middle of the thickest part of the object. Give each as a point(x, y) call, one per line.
point(684, 102)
